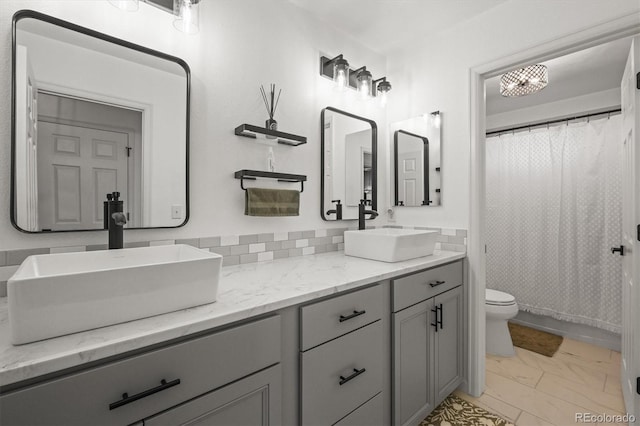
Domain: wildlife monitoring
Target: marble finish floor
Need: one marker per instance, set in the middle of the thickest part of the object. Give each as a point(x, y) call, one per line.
point(531, 389)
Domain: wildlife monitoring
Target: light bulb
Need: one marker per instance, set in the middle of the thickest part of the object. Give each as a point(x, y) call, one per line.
point(436, 120)
point(341, 74)
point(188, 16)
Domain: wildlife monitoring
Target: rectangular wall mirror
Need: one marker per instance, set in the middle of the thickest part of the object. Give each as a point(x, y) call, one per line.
point(92, 114)
point(349, 157)
point(416, 161)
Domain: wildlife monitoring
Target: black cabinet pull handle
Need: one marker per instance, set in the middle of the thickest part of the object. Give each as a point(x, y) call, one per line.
point(618, 249)
point(435, 311)
point(126, 399)
point(436, 283)
point(439, 321)
point(355, 374)
point(353, 315)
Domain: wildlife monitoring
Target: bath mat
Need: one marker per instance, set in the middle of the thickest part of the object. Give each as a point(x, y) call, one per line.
point(534, 340)
point(454, 411)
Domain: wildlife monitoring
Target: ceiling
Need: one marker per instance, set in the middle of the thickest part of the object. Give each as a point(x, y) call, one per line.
point(386, 25)
point(587, 71)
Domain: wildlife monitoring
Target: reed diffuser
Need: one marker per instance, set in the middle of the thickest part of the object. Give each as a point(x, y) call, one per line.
point(271, 103)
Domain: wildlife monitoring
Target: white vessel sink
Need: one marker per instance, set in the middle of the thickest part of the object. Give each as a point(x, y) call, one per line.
point(389, 244)
point(56, 294)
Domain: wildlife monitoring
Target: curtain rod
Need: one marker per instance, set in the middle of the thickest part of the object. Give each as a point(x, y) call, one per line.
point(547, 123)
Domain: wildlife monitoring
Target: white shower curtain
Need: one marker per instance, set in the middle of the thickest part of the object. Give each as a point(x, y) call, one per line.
point(553, 214)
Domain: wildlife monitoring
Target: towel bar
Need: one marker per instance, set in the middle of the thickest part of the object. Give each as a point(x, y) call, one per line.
point(281, 177)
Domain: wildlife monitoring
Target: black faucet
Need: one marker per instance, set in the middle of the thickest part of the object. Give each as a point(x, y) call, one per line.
point(362, 212)
point(116, 220)
point(337, 210)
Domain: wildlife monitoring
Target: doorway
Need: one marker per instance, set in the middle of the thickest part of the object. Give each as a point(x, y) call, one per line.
point(477, 230)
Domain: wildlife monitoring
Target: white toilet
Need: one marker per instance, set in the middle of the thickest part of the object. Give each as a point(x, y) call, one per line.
point(500, 308)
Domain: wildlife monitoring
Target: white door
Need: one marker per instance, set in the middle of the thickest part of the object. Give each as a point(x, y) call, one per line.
point(410, 178)
point(631, 231)
point(77, 168)
point(26, 185)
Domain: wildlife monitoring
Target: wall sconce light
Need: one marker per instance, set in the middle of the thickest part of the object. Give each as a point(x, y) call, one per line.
point(383, 87)
point(435, 115)
point(364, 81)
point(187, 16)
point(337, 69)
point(187, 12)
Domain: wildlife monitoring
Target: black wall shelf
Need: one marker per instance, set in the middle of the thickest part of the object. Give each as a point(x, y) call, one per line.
point(281, 177)
point(251, 131)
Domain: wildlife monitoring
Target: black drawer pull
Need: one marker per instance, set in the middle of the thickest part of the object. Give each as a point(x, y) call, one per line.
point(353, 315)
point(439, 321)
point(436, 283)
point(355, 374)
point(435, 311)
point(126, 399)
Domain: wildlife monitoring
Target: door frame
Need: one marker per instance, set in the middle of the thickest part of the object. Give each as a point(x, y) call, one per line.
point(622, 27)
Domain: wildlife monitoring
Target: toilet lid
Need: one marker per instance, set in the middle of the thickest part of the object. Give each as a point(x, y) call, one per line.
point(495, 297)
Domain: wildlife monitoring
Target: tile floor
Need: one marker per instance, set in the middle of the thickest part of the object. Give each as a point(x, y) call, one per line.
point(531, 389)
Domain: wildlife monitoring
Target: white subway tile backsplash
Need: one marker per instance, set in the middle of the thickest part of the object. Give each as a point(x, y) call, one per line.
point(264, 256)
point(308, 250)
point(302, 243)
point(7, 271)
point(255, 248)
point(321, 233)
point(450, 232)
point(230, 240)
point(162, 243)
point(280, 236)
point(337, 239)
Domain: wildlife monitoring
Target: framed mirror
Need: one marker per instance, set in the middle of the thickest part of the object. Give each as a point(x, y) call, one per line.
point(417, 161)
point(348, 163)
point(93, 114)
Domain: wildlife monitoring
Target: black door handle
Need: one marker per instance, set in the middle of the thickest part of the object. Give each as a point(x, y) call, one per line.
point(435, 311)
point(353, 315)
point(126, 399)
point(440, 321)
point(618, 249)
point(355, 374)
point(436, 283)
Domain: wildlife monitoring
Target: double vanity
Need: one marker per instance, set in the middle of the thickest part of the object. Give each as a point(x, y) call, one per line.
point(321, 339)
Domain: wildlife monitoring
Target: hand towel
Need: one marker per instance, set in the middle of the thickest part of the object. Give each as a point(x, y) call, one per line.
point(271, 202)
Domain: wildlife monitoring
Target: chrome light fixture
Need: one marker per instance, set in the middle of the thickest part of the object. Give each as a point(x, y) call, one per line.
point(126, 5)
point(187, 16)
point(524, 81)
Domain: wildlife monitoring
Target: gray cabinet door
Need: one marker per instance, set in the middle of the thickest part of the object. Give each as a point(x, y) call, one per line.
point(448, 347)
point(412, 363)
point(255, 400)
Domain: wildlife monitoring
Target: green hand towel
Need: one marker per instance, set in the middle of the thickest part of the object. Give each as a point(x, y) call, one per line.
point(271, 202)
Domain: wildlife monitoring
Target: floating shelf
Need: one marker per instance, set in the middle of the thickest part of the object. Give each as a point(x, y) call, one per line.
point(251, 131)
point(281, 177)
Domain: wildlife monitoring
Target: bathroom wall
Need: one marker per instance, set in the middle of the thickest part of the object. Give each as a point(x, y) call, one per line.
point(434, 75)
point(241, 45)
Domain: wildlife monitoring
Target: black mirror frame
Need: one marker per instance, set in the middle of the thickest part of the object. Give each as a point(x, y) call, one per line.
point(25, 13)
point(425, 171)
point(374, 159)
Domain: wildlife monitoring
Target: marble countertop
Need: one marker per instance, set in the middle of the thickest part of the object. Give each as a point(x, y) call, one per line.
point(244, 291)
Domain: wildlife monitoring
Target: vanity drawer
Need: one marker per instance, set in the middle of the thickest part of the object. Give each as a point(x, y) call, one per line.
point(368, 414)
point(334, 317)
point(423, 285)
point(331, 385)
point(200, 365)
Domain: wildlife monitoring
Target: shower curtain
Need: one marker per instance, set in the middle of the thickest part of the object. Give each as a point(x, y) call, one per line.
point(553, 214)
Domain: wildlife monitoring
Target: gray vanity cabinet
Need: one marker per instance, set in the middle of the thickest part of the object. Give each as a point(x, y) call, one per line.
point(252, 401)
point(213, 373)
point(427, 342)
point(342, 362)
